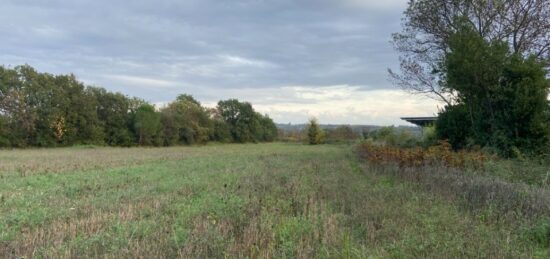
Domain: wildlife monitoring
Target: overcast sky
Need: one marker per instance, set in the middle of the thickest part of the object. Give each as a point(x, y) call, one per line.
point(292, 59)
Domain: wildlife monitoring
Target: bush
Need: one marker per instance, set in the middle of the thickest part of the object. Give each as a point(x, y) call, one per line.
point(454, 125)
point(395, 137)
point(439, 155)
point(291, 135)
point(315, 134)
point(342, 134)
point(429, 136)
point(221, 132)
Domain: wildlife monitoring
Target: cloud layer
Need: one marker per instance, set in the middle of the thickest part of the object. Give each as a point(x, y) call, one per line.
point(290, 58)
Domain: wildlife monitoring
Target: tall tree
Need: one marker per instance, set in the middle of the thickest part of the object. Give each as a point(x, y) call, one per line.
point(40, 109)
point(503, 93)
point(267, 128)
point(241, 118)
point(113, 110)
point(428, 25)
point(185, 121)
point(147, 124)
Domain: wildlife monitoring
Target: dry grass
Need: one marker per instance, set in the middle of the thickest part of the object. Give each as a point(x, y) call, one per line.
point(231, 201)
point(40, 161)
point(440, 170)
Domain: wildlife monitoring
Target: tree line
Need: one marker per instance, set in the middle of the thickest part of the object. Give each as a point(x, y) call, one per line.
point(45, 110)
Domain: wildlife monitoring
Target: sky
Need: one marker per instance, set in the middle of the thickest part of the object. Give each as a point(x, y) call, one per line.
point(292, 59)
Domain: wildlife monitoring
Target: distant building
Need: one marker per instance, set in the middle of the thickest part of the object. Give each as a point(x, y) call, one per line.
point(420, 121)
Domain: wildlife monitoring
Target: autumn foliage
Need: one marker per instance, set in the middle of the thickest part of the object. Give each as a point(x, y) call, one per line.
point(438, 155)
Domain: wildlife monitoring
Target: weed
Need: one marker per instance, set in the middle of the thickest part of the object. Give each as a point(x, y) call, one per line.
point(241, 201)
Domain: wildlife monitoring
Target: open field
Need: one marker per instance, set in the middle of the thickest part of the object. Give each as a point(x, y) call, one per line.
point(253, 200)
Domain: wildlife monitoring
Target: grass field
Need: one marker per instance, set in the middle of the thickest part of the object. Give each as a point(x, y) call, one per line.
point(253, 200)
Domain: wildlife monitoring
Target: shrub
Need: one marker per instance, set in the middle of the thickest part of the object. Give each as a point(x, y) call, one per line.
point(429, 136)
point(291, 135)
point(342, 134)
point(440, 155)
point(454, 126)
point(395, 137)
point(315, 134)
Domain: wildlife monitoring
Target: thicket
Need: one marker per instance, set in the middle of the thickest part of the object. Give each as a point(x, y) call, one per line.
point(501, 97)
point(45, 110)
point(437, 155)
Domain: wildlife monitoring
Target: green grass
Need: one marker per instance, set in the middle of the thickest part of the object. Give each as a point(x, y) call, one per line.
point(253, 200)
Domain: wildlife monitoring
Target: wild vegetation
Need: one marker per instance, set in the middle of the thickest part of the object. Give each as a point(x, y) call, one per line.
point(315, 134)
point(522, 25)
point(251, 200)
point(488, 62)
point(44, 110)
point(496, 190)
point(501, 97)
point(475, 184)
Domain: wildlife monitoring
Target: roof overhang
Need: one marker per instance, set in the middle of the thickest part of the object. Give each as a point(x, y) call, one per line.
point(420, 121)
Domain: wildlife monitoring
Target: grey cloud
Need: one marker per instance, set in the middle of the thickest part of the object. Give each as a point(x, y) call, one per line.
point(195, 45)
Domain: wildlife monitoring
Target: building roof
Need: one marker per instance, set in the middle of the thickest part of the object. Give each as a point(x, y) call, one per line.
point(420, 121)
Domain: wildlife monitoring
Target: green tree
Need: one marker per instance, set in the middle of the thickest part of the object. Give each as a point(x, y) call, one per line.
point(221, 132)
point(268, 130)
point(76, 106)
point(4, 130)
point(40, 109)
point(428, 26)
point(315, 134)
point(185, 121)
point(113, 111)
point(147, 124)
point(241, 118)
point(454, 125)
point(16, 105)
point(504, 94)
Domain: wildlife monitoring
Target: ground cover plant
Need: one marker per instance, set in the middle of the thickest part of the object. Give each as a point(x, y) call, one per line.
point(491, 188)
point(247, 200)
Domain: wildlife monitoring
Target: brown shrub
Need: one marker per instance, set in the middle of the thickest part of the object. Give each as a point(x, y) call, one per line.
point(440, 155)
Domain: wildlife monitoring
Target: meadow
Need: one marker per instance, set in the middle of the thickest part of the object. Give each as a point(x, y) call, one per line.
point(277, 200)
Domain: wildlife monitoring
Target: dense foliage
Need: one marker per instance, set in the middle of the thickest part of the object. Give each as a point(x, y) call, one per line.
point(244, 124)
point(524, 26)
point(501, 97)
point(315, 134)
point(488, 62)
point(45, 110)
